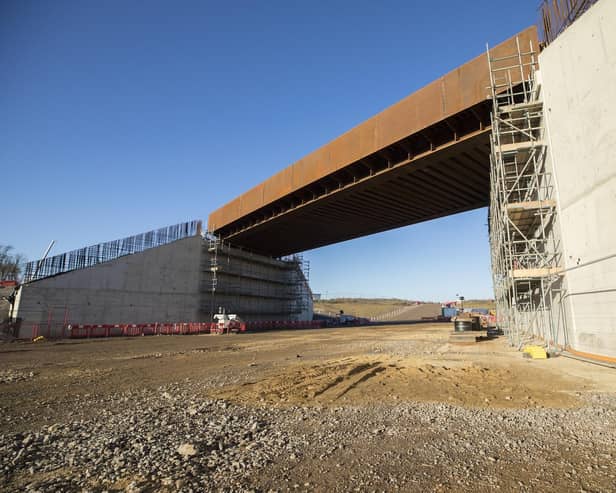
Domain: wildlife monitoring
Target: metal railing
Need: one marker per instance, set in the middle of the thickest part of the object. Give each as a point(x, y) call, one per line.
point(557, 15)
point(103, 252)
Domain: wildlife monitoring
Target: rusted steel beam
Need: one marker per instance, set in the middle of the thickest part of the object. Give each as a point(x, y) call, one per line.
point(416, 192)
point(457, 91)
point(349, 212)
point(436, 120)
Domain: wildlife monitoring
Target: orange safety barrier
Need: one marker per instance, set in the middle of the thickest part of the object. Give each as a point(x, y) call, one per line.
point(82, 331)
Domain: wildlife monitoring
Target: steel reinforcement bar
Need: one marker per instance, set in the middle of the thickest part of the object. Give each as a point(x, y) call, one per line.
point(557, 15)
point(103, 252)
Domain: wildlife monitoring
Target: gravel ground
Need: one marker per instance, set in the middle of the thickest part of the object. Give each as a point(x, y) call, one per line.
point(144, 441)
point(177, 437)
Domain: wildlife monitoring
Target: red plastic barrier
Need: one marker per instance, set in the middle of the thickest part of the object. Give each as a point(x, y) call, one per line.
point(97, 331)
point(81, 331)
point(130, 330)
point(78, 331)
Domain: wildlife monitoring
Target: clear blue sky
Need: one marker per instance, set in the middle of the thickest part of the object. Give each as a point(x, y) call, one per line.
point(120, 117)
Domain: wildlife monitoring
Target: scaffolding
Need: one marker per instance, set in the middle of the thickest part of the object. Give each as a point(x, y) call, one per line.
point(523, 237)
point(298, 286)
point(252, 285)
point(212, 247)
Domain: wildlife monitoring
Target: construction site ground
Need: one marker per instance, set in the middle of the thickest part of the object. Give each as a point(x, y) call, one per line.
point(387, 408)
point(384, 309)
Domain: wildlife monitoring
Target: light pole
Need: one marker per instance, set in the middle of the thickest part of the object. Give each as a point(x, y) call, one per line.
point(461, 298)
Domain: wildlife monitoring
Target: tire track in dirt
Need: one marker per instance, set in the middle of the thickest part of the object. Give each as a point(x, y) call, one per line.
point(361, 381)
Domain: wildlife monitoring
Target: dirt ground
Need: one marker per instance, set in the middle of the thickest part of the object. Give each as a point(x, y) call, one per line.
point(417, 391)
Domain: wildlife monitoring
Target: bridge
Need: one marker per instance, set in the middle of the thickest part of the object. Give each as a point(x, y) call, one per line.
point(425, 157)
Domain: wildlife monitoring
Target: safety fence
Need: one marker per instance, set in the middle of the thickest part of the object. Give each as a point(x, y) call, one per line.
point(557, 15)
point(87, 331)
point(84, 331)
point(103, 252)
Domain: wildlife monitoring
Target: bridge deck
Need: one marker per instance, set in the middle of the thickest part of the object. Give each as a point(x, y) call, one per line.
point(425, 157)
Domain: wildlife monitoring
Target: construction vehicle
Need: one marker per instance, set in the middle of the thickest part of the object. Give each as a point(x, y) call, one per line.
point(225, 323)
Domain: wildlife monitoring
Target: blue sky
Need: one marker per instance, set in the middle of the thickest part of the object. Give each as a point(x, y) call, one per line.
point(120, 117)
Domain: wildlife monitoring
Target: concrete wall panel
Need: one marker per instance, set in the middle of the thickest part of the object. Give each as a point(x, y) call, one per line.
point(157, 285)
point(579, 73)
point(170, 283)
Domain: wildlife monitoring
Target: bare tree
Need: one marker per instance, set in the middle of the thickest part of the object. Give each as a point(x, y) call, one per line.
point(11, 264)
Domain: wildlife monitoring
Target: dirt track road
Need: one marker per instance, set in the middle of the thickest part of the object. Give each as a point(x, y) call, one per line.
point(385, 408)
point(416, 312)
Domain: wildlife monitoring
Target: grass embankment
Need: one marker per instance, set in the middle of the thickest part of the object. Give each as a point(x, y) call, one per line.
point(489, 304)
point(360, 307)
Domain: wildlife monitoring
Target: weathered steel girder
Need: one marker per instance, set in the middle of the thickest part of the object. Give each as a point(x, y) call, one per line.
point(425, 157)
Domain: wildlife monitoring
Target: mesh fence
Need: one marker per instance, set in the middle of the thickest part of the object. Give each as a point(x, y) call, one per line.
point(103, 252)
point(557, 15)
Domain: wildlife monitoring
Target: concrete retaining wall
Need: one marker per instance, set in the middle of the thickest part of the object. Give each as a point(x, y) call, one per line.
point(157, 285)
point(169, 283)
point(579, 84)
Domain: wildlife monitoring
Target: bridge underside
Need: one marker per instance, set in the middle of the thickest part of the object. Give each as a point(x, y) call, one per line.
point(425, 157)
point(373, 196)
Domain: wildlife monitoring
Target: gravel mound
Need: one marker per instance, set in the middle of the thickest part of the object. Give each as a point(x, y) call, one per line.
point(145, 441)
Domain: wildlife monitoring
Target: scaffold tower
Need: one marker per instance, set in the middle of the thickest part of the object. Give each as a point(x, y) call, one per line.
point(250, 285)
point(523, 233)
point(212, 247)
